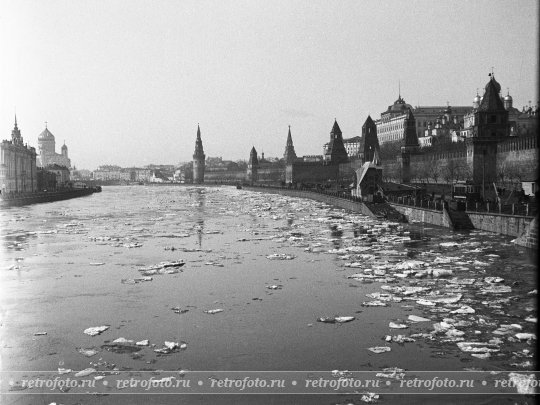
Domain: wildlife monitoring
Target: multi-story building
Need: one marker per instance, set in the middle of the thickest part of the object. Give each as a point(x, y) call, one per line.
point(312, 158)
point(47, 151)
point(18, 171)
point(61, 172)
point(352, 146)
point(81, 174)
point(445, 127)
point(117, 173)
point(488, 154)
point(450, 117)
point(391, 125)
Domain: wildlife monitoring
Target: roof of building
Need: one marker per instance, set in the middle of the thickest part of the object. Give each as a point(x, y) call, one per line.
point(199, 151)
point(491, 100)
point(398, 106)
point(56, 166)
point(289, 154)
point(46, 134)
point(253, 156)
point(336, 129)
point(368, 121)
point(336, 149)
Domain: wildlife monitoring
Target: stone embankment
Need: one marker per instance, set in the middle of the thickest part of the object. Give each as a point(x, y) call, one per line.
point(524, 228)
point(43, 197)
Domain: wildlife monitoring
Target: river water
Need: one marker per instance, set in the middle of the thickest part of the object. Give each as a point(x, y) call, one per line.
point(274, 265)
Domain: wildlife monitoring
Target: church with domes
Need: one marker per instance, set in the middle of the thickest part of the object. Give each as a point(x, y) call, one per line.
point(47, 151)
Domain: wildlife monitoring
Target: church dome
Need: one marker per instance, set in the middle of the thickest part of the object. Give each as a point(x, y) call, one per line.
point(508, 97)
point(399, 105)
point(477, 99)
point(46, 135)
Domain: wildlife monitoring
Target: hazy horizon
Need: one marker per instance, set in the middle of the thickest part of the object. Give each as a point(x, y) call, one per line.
point(127, 82)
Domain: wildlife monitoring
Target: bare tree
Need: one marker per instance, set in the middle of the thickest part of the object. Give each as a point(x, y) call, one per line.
point(435, 171)
point(424, 171)
point(502, 172)
point(454, 171)
point(448, 171)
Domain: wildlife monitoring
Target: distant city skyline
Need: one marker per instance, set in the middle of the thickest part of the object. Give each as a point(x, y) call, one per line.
point(127, 83)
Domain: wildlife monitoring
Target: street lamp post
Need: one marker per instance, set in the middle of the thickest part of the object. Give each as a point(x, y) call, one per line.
point(483, 174)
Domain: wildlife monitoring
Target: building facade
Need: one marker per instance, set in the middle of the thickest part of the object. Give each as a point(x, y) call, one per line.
point(18, 169)
point(47, 151)
point(391, 125)
point(62, 174)
point(119, 174)
point(488, 154)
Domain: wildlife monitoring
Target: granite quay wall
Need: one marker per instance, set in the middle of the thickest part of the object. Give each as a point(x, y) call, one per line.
point(428, 216)
point(511, 225)
point(529, 238)
point(524, 228)
point(224, 175)
point(329, 198)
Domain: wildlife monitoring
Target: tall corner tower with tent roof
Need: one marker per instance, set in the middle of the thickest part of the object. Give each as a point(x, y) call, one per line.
point(198, 159)
point(491, 126)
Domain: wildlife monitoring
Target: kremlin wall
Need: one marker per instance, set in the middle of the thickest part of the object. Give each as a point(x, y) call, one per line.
point(489, 142)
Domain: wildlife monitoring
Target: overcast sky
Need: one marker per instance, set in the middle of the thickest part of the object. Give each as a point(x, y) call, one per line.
point(126, 82)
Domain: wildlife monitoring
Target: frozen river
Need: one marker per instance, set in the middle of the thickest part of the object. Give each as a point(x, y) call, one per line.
point(274, 265)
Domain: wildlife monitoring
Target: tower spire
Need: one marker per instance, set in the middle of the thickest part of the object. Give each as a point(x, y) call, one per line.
point(290, 155)
point(399, 88)
point(198, 159)
point(16, 134)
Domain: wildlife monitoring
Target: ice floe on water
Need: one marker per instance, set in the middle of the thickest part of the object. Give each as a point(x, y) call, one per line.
point(416, 289)
point(96, 330)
